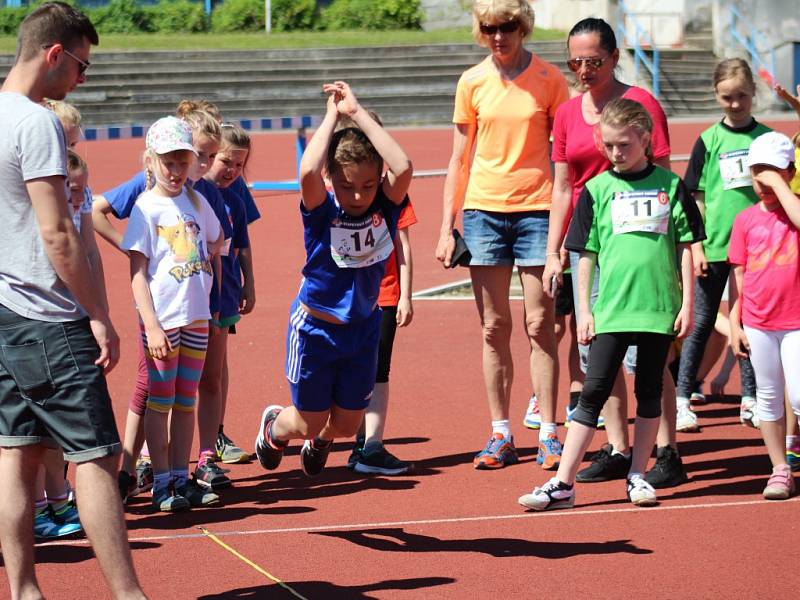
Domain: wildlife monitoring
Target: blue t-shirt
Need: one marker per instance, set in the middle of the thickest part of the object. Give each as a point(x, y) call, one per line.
point(231, 271)
point(211, 193)
point(240, 188)
point(123, 197)
point(345, 257)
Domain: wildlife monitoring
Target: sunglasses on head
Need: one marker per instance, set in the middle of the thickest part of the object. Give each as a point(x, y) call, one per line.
point(594, 62)
point(507, 27)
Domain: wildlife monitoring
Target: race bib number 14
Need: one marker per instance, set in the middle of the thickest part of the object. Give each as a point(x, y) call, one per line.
point(640, 210)
point(359, 244)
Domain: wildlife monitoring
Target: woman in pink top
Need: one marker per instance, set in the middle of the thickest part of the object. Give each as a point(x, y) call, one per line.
point(765, 317)
point(504, 110)
point(578, 156)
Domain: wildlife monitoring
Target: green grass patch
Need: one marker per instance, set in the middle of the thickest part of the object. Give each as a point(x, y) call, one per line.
point(297, 39)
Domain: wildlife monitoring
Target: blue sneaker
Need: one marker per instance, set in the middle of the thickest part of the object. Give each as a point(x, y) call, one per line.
point(47, 527)
point(68, 514)
point(166, 500)
point(549, 453)
point(498, 453)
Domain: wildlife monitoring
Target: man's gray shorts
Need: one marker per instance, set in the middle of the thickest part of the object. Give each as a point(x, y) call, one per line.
point(51, 392)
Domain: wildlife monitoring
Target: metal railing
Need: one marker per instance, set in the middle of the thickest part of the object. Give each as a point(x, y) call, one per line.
point(750, 40)
point(634, 39)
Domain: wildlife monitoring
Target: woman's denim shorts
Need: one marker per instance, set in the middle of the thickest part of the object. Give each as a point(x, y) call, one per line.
point(497, 239)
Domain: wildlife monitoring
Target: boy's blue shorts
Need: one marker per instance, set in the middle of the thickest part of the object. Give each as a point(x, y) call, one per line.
point(330, 364)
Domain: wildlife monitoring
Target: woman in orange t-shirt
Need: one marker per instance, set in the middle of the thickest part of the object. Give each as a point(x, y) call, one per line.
point(503, 114)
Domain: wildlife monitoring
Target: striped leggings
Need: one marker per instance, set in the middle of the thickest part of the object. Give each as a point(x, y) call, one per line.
point(174, 380)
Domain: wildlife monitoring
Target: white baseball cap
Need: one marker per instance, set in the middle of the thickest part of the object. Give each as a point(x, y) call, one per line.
point(169, 134)
point(771, 148)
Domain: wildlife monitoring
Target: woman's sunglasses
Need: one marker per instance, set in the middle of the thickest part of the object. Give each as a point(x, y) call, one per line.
point(507, 27)
point(593, 63)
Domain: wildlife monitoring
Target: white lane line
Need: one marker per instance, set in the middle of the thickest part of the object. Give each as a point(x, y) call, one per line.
point(444, 521)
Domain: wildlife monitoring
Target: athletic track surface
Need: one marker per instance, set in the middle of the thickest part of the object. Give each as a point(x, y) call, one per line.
point(445, 531)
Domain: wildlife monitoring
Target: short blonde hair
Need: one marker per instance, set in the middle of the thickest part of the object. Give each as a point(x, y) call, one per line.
point(623, 112)
point(500, 11)
point(66, 113)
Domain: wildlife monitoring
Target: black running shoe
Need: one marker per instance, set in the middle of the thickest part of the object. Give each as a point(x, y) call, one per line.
point(211, 477)
point(356, 453)
point(605, 466)
point(380, 462)
point(668, 470)
point(313, 458)
point(268, 456)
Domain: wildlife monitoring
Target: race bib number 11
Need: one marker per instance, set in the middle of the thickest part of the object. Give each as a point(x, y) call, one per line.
point(640, 210)
point(355, 245)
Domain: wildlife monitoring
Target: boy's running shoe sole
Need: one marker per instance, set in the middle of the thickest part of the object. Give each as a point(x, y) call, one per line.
point(268, 456)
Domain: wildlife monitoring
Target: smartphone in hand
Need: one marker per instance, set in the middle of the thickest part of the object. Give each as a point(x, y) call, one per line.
point(554, 285)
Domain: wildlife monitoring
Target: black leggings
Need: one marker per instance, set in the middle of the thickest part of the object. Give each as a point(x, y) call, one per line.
point(707, 297)
point(605, 357)
point(388, 328)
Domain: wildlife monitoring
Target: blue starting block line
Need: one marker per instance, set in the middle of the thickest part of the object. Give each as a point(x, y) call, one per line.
point(123, 132)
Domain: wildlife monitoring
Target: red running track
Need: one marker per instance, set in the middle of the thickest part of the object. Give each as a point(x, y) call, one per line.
point(446, 530)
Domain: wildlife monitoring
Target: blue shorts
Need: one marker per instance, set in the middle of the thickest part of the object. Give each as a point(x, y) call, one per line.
point(497, 239)
point(330, 364)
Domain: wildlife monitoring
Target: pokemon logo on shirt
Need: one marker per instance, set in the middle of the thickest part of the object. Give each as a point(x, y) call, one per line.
point(187, 248)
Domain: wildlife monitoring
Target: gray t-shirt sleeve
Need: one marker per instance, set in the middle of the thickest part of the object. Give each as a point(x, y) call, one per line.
point(41, 146)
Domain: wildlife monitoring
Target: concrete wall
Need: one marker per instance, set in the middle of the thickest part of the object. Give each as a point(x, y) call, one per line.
point(778, 24)
point(563, 14)
point(777, 20)
point(440, 14)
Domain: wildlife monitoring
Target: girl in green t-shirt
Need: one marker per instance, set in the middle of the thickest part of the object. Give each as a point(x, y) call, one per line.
point(630, 219)
point(720, 181)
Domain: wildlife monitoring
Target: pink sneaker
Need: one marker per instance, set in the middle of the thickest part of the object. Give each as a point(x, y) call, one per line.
point(781, 484)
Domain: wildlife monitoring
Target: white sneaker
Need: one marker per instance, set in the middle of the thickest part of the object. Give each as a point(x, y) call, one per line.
point(640, 492)
point(532, 420)
point(550, 496)
point(687, 419)
point(748, 412)
point(601, 420)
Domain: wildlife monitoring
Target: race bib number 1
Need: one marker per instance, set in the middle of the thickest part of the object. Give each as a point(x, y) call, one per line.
point(640, 210)
point(359, 244)
point(733, 170)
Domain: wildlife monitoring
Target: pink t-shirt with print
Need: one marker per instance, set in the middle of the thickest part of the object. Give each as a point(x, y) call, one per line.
point(765, 243)
point(578, 144)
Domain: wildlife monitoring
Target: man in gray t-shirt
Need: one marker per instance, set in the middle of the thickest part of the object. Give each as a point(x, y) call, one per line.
point(55, 333)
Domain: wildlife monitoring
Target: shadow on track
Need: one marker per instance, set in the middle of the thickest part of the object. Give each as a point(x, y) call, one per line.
point(396, 539)
point(329, 591)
